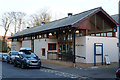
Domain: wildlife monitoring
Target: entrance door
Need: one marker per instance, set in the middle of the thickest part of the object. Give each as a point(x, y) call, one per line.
point(65, 50)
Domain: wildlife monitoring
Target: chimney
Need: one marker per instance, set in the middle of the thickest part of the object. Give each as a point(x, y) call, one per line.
point(28, 27)
point(69, 14)
point(42, 23)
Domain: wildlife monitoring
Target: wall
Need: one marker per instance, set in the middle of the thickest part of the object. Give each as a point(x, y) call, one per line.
point(0, 45)
point(109, 48)
point(52, 56)
point(26, 43)
point(43, 43)
point(38, 45)
point(15, 46)
point(80, 49)
point(9, 44)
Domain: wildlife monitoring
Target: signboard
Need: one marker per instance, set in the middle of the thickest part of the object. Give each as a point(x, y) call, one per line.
point(118, 44)
point(107, 60)
point(98, 51)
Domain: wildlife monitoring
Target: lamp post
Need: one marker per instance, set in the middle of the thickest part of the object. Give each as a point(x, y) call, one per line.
point(119, 33)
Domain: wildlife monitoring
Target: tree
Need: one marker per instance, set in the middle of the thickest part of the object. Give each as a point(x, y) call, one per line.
point(12, 18)
point(18, 20)
point(6, 22)
point(37, 19)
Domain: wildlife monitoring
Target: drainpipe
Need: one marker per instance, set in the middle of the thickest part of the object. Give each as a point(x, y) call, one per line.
point(119, 33)
point(74, 47)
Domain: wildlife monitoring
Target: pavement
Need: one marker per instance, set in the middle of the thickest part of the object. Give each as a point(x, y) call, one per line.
point(105, 71)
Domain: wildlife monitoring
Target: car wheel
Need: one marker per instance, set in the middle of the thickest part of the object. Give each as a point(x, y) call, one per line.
point(7, 61)
point(22, 66)
point(39, 67)
point(15, 64)
point(10, 61)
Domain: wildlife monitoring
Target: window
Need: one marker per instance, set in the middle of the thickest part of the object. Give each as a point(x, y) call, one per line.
point(109, 34)
point(63, 46)
point(43, 51)
point(98, 34)
point(52, 46)
point(104, 34)
point(92, 34)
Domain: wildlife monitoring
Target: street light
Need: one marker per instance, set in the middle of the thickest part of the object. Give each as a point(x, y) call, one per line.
point(119, 33)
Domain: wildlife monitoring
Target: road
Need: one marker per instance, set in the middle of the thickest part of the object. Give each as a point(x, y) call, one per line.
point(9, 71)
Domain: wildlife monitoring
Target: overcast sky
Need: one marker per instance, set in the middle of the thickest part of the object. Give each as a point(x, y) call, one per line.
point(57, 8)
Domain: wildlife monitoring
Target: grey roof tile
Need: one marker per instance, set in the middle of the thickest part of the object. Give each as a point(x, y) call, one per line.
point(115, 17)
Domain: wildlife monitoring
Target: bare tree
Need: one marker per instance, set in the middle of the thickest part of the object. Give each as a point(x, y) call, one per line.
point(38, 18)
point(18, 18)
point(6, 22)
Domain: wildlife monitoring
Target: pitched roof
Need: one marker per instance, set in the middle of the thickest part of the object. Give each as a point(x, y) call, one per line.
point(57, 23)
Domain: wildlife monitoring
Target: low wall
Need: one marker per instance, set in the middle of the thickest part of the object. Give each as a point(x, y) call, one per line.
point(63, 63)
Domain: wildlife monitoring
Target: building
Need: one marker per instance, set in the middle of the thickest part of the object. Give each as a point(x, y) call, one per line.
point(0, 45)
point(7, 43)
point(86, 37)
point(116, 18)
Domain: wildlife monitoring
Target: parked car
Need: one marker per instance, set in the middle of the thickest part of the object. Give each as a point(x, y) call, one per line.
point(11, 56)
point(4, 57)
point(118, 74)
point(0, 56)
point(26, 58)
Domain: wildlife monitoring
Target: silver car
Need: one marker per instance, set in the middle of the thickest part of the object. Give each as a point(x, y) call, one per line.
point(11, 56)
point(4, 56)
point(0, 56)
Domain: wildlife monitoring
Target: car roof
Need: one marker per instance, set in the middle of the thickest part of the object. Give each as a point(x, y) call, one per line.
point(5, 53)
point(14, 51)
point(25, 49)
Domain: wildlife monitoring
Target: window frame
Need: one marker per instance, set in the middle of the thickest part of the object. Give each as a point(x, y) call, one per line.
point(42, 51)
point(52, 46)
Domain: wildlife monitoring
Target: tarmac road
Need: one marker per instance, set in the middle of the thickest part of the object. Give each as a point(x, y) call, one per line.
point(11, 72)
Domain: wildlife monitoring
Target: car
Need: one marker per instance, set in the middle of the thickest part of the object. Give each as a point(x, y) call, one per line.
point(26, 58)
point(118, 74)
point(4, 57)
point(0, 56)
point(11, 56)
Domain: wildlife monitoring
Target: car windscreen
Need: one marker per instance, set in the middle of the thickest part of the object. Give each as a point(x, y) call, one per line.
point(14, 53)
point(29, 54)
point(4, 54)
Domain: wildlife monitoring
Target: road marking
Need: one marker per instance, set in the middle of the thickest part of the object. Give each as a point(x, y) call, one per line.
point(59, 73)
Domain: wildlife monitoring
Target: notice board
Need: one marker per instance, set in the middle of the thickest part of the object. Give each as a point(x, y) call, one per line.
point(98, 51)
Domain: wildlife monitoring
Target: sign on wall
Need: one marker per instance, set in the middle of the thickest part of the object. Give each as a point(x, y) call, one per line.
point(98, 51)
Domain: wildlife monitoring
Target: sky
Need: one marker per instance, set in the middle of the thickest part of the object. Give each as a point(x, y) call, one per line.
point(57, 8)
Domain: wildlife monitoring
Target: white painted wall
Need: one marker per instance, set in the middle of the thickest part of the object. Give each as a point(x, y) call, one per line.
point(80, 49)
point(38, 45)
point(26, 43)
point(43, 43)
point(109, 48)
point(15, 46)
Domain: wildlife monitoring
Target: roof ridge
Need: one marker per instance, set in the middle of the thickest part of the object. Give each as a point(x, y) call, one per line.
point(65, 17)
point(75, 14)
